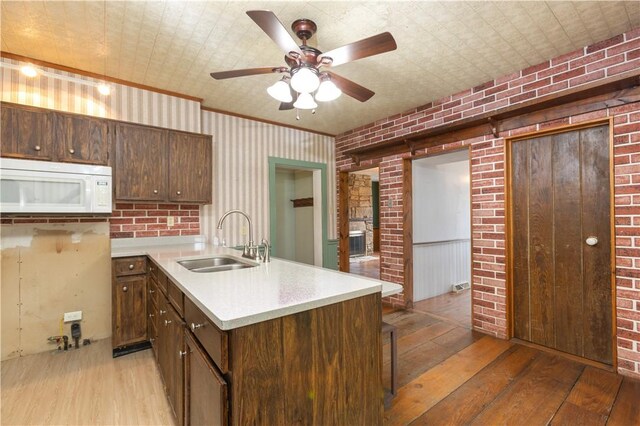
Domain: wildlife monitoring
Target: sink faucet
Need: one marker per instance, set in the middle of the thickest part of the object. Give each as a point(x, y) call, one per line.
point(267, 257)
point(250, 251)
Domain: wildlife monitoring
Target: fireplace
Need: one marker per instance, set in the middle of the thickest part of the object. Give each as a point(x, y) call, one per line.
point(357, 243)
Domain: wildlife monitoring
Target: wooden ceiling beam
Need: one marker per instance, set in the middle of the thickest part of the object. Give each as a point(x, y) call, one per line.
point(608, 93)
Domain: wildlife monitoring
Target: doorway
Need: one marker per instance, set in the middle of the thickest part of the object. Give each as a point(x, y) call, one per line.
point(364, 222)
point(441, 212)
point(560, 226)
point(297, 212)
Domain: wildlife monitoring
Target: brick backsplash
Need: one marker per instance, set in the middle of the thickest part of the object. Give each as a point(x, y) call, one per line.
point(10, 220)
point(136, 220)
point(132, 220)
point(489, 284)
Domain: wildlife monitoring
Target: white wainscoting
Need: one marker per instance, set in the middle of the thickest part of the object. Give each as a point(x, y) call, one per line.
point(439, 265)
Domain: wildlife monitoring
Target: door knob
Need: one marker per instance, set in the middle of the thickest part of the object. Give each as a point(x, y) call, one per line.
point(592, 241)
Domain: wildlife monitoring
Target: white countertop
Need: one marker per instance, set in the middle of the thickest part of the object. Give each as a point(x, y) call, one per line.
point(236, 298)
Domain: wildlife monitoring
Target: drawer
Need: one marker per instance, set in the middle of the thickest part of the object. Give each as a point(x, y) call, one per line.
point(214, 340)
point(176, 298)
point(162, 282)
point(153, 269)
point(130, 266)
point(153, 291)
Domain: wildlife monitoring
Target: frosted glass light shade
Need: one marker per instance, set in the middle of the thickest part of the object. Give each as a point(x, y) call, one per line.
point(280, 91)
point(304, 80)
point(327, 91)
point(305, 101)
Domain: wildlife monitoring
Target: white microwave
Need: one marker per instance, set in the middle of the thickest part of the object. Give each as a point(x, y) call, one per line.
point(38, 187)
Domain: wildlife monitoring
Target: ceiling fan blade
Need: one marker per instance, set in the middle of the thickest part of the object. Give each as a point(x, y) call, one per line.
point(271, 25)
point(375, 45)
point(241, 73)
point(350, 88)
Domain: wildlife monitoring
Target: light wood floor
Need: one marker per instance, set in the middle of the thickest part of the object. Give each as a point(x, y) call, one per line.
point(448, 374)
point(83, 387)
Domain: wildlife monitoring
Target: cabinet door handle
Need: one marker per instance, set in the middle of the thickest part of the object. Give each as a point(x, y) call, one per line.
point(37, 148)
point(181, 353)
point(194, 327)
point(152, 340)
point(167, 322)
point(131, 266)
point(150, 315)
point(155, 191)
point(125, 288)
point(162, 312)
point(178, 192)
point(72, 151)
point(151, 291)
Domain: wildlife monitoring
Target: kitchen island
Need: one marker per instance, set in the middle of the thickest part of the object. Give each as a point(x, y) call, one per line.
point(277, 343)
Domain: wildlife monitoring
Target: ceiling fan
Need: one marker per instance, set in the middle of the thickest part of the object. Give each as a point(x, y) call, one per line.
point(306, 71)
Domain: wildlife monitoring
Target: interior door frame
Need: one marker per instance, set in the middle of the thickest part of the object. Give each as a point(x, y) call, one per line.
point(407, 218)
point(343, 212)
point(509, 221)
point(275, 162)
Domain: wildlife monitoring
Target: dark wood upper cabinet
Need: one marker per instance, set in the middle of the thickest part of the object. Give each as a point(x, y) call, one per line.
point(141, 163)
point(26, 132)
point(81, 139)
point(189, 167)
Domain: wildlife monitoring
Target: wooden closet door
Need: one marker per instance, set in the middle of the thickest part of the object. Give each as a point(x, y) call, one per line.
point(560, 192)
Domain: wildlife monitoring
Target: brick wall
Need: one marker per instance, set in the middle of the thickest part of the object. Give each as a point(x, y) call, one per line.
point(604, 59)
point(135, 220)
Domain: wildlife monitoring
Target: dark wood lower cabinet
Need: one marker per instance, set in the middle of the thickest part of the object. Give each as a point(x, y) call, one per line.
point(129, 310)
point(321, 366)
point(171, 356)
point(206, 399)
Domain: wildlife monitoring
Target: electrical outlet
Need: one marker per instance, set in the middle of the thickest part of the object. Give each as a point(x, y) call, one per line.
point(72, 316)
point(171, 221)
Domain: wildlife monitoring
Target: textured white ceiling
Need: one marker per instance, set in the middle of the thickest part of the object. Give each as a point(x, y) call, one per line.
point(443, 47)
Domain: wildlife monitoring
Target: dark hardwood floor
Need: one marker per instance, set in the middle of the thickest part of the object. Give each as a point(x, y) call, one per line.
point(450, 375)
point(368, 268)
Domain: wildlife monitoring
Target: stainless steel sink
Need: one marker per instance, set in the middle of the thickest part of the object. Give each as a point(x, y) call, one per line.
point(215, 264)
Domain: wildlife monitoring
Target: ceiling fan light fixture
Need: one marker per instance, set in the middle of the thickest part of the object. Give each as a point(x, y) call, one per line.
point(305, 101)
point(327, 91)
point(280, 91)
point(304, 79)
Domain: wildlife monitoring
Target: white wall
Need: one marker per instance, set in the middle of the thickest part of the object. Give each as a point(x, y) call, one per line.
point(285, 214)
point(441, 224)
point(304, 218)
point(241, 151)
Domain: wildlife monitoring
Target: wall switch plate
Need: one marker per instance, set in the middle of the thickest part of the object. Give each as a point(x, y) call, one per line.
point(170, 221)
point(72, 316)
